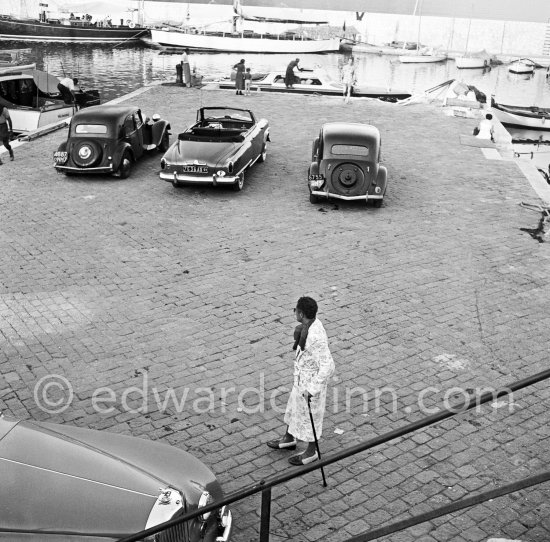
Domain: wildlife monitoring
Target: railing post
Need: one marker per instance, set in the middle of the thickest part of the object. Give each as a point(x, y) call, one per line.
point(266, 515)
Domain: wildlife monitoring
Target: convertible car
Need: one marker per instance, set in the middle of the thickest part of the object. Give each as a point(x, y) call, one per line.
point(346, 164)
point(222, 144)
point(65, 483)
point(109, 139)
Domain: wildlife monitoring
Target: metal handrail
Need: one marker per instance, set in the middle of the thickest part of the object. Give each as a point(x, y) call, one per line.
point(268, 483)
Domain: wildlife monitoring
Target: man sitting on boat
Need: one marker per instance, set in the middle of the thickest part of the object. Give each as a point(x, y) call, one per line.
point(67, 87)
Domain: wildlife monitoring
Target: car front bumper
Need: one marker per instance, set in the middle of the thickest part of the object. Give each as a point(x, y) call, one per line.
point(174, 177)
point(365, 197)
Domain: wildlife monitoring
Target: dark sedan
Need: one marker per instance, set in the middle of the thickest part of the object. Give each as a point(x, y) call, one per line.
point(109, 139)
point(66, 483)
point(346, 164)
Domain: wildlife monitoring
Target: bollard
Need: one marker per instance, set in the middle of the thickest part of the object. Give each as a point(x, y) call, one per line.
point(179, 69)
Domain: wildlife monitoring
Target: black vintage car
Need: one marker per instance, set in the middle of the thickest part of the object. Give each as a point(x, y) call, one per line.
point(109, 139)
point(346, 164)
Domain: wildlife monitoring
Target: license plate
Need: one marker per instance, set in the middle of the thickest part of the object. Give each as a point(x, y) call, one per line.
point(60, 157)
point(195, 169)
point(316, 177)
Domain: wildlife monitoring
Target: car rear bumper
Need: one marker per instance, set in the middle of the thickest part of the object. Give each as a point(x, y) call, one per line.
point(102, 169)
point(194, 179)
point(364, 197)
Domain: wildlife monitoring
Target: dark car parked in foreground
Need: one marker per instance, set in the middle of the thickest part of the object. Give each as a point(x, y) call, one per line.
point(66, 483)
point(109, 139)
point(346, 164)
point(222, 144)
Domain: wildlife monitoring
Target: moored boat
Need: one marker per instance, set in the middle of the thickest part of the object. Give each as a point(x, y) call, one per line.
point(317, 82)
point(533, 117)
point(522, 66)
point(69, 27)
point(236, 39)
point(422, 58)
point(34, 102)
point(472, 62)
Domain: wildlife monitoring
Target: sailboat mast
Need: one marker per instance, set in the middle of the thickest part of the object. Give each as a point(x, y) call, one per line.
point(419, 23)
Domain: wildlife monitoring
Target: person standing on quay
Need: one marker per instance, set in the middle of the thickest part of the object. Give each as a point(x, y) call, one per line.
point(239, 76)
point(247, 81)
point(348, 78)
point(185, 68)
point(6, 128)
point(313, 366)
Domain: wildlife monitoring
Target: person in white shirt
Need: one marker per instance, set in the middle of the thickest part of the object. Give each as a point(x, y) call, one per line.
point(486, 130)
point(348, 78)
point(67, 87)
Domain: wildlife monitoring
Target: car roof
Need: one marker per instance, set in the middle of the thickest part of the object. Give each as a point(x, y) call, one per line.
point(349, 131)
point(104, 113)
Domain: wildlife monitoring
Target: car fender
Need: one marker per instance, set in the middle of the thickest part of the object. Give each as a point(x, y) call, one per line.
point(382, 178)
point(119, 152)
point(62, 147)
point(313, 168)
point(159, 128)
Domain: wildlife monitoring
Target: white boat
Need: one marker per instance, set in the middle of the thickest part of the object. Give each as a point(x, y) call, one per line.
point(532, 118)
point(317, 82)
point(244, 41)
point(421, 55)
point(11, 60)
point(522, 66)
point(471, 62)
point(30, 108)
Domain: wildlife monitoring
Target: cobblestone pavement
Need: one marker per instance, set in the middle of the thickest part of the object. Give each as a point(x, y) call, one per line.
point(135, 284)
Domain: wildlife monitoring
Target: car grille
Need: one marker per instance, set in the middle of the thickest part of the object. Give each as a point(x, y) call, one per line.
point(173, 534)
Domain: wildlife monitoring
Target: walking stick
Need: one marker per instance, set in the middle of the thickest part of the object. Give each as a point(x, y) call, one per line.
point(316, 441)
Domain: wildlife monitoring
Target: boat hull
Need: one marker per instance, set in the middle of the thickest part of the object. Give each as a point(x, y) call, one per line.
point(23, 30)
point(363, 92)
point(526, 118)
point(471, 63)
point(239, 44)
point(26, 120)
point(421, 59)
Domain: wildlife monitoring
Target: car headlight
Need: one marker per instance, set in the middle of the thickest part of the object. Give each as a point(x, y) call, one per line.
point(205, 500)
point(220, 173)
point(378, 190)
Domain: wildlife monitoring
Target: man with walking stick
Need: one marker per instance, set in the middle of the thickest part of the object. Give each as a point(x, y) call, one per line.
point(313, 366)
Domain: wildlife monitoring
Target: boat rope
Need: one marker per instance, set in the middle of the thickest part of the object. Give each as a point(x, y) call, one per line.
point(535, 207)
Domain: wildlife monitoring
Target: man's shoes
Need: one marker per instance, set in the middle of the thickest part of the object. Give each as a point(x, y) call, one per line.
point(282, 445)
point(301, 460)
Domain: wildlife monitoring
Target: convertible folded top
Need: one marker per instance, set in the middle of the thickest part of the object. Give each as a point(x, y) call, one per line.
point(212, 134)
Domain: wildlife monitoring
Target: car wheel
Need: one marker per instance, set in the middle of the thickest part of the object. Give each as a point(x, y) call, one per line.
point(165, 143)
point(125, 167)
point(86, 153)
point(313, 198)
point(263, 156)
point(238, 186)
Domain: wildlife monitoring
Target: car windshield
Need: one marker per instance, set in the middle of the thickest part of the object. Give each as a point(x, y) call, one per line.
point(355, 150)
point(91, 129)
point(227, 114)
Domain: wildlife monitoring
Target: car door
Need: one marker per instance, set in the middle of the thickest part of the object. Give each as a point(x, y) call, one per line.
point(132, 135)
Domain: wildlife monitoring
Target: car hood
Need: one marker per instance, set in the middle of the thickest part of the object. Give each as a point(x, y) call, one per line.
point(212, 153)
point(65, 479)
